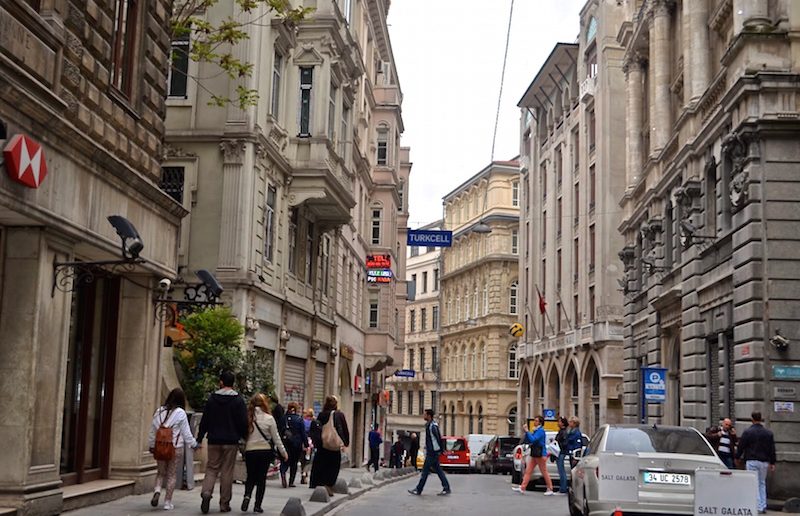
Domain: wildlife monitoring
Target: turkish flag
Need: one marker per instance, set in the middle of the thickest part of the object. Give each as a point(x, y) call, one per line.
point(542, 303)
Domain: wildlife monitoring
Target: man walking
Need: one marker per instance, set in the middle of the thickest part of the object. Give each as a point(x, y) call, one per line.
point(414, 450)
point(726, 449)
point(225, 422)
point(757, 448)
point(375, 441)
point(434, 444)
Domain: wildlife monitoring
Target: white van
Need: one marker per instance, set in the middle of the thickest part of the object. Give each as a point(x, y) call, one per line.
point(475, 443)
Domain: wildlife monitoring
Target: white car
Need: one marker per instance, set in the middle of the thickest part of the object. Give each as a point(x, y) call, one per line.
point(475, 443)
point(521, 454)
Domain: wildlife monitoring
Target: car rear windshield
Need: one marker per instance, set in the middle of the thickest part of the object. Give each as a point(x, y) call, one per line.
point(658, 440)
point(508, 445)
point(455, 445)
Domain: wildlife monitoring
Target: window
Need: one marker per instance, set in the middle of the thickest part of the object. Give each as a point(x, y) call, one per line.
point(576, 204)
point(559, 162)
point(344, 137)
point(458, 308)
point(306, 83)
point(123, 44)
point(421, 406)
point(558, 269)
point(515, 193)
point(331, 112)
point(435, 318)
point(480, 419)
point(434, 360)
point(269, 224)
point(411, 358)
point(414, 251)
point(423, 319)
point(591, 128)
point(373, 309)
point(576, 314)
point(543, 181)
point(471, 421)
point(474, 359)
point(512, 361)
point(309, 253)
point(383, 147)
point(485, 300)
point(172, 179)
point(544, 229)
point(376, 227)
point(591, 303)
point(277, 71)
point(512, 299)
point(576, 259)
point(512, 422)
point(559, 217)
point(591, 248)
point(424, 282)
point(412, 317)
point(399, 402)
point(293, 241)
point(401, 187)
point(514, 241)
point(435, 280)
point(179, 66)
point(422, 361)
point(326, 265)
point(483, 360)
point(592, 186)
point(464, 363)
point(575, 149)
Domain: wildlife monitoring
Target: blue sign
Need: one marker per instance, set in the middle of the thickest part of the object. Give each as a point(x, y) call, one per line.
point(429, 238)
point(549, 414)
point(406, 373)
point(786, 372)
point(655, 384)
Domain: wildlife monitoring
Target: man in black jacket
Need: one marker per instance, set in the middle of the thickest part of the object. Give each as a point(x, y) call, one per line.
point(757, 448)
point(225, 422)
point(434, 445)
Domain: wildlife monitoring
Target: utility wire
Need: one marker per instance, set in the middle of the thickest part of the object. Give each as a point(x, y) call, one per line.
point(502, 80)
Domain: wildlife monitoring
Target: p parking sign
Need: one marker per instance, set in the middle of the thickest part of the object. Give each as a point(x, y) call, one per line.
point(654, 380)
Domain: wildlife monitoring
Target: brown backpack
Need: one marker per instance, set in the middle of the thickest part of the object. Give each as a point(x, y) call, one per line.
point(164, 448)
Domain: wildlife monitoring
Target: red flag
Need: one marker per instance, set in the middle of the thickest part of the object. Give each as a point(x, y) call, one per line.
point(542, 303)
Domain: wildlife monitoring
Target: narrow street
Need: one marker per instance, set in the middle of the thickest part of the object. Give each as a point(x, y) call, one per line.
point(472, 495)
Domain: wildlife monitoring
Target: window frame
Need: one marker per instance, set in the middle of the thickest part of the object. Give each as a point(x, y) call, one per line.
point(123, 49)
point(306, 99)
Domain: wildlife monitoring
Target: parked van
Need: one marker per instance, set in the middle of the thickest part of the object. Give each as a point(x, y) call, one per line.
point(476, 442)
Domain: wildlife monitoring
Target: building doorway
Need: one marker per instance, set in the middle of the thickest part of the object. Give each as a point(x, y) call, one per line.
point(672, 361)
point(89, 391)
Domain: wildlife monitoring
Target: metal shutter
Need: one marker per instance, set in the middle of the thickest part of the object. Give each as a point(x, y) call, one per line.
point(319, 386)
point(294, 380)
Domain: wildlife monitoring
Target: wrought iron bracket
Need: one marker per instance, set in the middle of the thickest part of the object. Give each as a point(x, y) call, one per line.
point(69, 276)
point(196, 297)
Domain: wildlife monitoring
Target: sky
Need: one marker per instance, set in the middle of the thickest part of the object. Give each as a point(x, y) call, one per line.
point(449, 57)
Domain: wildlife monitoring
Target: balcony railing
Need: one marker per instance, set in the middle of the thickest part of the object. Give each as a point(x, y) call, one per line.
point(587, 89)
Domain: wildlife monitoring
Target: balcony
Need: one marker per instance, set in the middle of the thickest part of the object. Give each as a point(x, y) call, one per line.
point(380, 352)
point(587, 89)
point(320, 181)
point(387, 95)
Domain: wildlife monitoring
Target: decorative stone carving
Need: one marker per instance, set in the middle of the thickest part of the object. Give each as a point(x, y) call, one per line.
point(171, 151)
point(738, 190)
point(232, 150)
point(739, 149)
point(278, 136)
point(627, 255)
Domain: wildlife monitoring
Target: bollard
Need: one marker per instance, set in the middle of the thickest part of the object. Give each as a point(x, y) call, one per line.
point(366, 479)
point(294, 507)
point(355, 483)
point(340, 487)
point(320, 494)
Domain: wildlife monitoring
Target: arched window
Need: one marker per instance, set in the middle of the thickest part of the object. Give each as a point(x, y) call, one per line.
point(595, 383)
point(512, 421)
point(480, 419)
point(483, 360)
point(512, 361)
point(474, 362)
point(382, 157)
point(471, 422)
point(466, 305)
point(574, 385)
point(475, 310)
point(458, 308)
point(512, 299)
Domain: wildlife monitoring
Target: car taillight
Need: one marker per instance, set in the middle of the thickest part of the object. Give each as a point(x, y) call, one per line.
point(618, 512)
point(518, 454)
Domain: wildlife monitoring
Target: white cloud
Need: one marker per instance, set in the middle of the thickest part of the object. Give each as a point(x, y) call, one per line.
point(449, 57)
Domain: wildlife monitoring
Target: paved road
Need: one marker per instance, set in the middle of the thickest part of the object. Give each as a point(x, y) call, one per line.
point(472, 495)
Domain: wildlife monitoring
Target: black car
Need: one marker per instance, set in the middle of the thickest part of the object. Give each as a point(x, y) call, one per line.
point(500, 459)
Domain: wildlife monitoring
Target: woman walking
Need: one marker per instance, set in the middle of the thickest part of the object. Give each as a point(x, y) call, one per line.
point(295, 439)
point(538, 457)
point(305, 459)
point(262, 440)
point(328, 456)
point(171, 415)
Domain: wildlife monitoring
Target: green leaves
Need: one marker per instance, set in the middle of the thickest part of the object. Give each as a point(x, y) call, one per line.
point(214, 43)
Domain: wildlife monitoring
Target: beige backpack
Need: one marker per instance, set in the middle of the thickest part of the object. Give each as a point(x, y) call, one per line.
point(330, 437)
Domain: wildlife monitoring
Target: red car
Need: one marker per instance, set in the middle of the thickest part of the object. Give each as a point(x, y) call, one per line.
point(456, 453)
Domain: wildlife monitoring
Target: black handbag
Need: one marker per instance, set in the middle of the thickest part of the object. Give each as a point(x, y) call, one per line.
point(536, 450)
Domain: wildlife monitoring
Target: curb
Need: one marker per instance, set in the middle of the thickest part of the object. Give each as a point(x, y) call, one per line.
point(341, 501)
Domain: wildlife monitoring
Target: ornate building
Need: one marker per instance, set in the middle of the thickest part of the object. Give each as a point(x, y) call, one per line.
point(572, 175)
point(710, 217)
point(480, 301)
point(289, 197)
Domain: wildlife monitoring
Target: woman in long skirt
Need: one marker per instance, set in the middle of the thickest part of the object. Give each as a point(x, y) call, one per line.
point(326, 464)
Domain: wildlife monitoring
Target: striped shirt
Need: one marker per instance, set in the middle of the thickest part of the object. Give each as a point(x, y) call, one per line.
point(724, 443)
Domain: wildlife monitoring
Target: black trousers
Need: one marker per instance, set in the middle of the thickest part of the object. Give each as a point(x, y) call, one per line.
point(293, 451)
point(374, 457)
point(257, 463)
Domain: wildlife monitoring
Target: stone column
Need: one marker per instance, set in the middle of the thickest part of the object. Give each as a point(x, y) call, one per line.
point(696, 60)
point(753, 13)
point(660, 61)
point(232, 230)
point(633, 71)
point(651, 87)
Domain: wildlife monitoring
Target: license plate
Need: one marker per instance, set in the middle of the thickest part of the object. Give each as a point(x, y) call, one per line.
point(452, 457)
point(509, 455)
point(677, 479)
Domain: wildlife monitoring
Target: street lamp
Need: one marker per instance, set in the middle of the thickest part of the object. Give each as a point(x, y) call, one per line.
point(195, 297)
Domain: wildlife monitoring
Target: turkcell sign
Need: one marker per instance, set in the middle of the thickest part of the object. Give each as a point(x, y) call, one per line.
point(429, 238)
point(655, 384)
point(406, 373)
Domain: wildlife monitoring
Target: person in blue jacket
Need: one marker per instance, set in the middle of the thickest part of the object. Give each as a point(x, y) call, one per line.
point(538, 457)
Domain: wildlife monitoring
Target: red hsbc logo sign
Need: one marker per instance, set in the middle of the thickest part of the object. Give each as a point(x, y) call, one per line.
point(25, 161)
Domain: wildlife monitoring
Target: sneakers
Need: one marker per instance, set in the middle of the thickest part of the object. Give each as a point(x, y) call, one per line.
point(245, 503)
point(168, 506)
point(205, 504)
point(414, 492)
point(560, 493)
point(258, 509)
point(154, 500)
point(549, 493)
point(443, 492)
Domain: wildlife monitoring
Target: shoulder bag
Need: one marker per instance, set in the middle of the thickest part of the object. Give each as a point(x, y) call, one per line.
point(330, 436)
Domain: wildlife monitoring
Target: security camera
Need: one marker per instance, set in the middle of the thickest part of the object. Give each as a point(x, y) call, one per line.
point(780, 342)
point(164, 284)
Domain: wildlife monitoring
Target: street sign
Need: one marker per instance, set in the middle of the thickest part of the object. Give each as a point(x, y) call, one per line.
point(429, 238)
point(724, 492)
point(784, 393)
point(549, 414)
point(405, 373)
point(655, 384)
point(786, 372)
point(619, 478)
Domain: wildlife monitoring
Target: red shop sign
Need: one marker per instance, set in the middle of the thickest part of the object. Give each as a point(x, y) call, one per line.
point(25, 161)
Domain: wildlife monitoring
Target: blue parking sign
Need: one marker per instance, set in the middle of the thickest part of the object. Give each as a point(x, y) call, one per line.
point(549, 414)
point(654, 381)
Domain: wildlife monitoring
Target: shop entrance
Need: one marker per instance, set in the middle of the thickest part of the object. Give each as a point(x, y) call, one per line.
point(89, 391)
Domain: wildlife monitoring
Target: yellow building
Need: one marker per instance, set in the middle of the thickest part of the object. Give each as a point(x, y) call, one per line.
point(479, 301)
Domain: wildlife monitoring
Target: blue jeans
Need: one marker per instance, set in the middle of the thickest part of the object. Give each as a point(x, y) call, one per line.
point(562, 473)
point(760, 467)
point(432, 464)
point(727, 459)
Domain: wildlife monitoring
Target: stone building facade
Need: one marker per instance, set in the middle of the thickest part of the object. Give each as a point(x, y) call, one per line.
point(710, 214)
point(480, 301)
point(410, 396)
point(289, 198)
point(82, 89)
point(572, 175)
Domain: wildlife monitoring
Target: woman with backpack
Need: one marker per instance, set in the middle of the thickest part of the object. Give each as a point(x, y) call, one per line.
point(330, 435)
point(294, 438)
point(262, 439)
point(169, 433)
